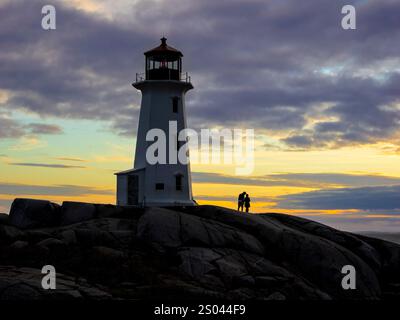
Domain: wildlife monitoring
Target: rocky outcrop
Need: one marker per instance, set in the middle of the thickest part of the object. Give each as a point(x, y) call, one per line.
point(30, 213)
point(22, 284)
point(73, 212)
point(188, 253)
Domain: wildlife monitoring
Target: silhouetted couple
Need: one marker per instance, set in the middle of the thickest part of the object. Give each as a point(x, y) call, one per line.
point(244, 201)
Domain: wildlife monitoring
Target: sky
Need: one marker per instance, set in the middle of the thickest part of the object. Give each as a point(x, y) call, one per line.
point(324, 102)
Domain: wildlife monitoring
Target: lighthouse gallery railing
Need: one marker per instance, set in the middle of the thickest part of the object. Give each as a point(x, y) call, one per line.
point(184, 76)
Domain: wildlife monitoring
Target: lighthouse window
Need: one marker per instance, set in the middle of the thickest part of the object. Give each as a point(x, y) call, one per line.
point(175, 101)
point(178, 182)
point(159, 186)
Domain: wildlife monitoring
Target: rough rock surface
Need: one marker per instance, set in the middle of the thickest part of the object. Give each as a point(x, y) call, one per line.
point(22, 283)
point(72, 212)
point(194, 252)
point(31, 213)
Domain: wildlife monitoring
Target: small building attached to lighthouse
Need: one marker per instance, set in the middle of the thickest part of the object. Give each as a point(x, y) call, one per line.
point(163, 87)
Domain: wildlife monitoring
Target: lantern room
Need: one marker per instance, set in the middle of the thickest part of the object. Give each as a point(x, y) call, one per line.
point(163, 62)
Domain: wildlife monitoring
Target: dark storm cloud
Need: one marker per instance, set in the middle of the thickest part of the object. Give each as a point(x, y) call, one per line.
point(81, 70)
point(45, 165)
point(266, 64)
point(368, 198)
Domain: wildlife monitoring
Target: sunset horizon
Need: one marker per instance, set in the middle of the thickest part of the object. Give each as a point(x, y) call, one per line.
point(326, 125)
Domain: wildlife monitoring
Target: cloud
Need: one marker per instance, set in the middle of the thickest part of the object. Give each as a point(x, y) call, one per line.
point(367, 198)
point(361, 222)
point(339, 179)
point(270, 65)
point(52, 190)
point(45, 165)
point(299, 141)
point(10, 128)
point(66, 75)
point(41, 128)
point(306, 180)
point(70, 159)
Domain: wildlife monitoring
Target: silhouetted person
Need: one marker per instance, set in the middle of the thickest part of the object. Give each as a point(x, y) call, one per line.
point(247, 202)
point(241, 201)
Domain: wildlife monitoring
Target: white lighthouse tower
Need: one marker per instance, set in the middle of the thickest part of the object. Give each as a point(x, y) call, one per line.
point(163, 87)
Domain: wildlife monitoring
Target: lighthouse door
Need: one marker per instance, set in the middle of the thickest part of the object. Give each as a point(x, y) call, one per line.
point(133, 190)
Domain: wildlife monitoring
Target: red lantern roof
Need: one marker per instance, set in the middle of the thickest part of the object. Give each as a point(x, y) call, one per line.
point(163, 49)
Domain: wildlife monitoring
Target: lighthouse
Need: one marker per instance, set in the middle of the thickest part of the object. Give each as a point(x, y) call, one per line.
point(163, 87)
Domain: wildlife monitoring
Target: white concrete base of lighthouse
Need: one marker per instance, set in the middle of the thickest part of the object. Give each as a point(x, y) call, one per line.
point(131, 190)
